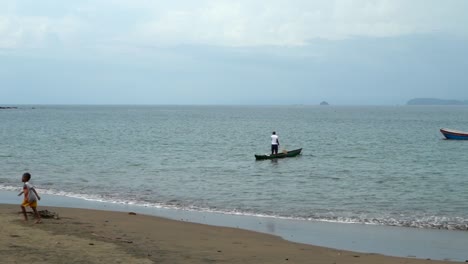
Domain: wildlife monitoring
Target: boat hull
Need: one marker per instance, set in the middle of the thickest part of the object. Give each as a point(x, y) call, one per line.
point(454, 134)
point(288, 154)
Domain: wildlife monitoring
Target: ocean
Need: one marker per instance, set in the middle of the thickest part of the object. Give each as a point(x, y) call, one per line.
point(377, 165)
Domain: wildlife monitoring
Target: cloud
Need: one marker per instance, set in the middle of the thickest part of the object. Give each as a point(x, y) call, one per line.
point(296, 23)
point(243, 23)
point(37, 31)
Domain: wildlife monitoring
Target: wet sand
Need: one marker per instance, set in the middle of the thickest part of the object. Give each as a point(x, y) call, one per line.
point(92, 236)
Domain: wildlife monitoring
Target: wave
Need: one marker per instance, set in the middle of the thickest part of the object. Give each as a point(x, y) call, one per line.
point(421, 221)
point(427, 222)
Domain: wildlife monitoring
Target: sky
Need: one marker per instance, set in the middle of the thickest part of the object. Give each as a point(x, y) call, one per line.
point(244, 52)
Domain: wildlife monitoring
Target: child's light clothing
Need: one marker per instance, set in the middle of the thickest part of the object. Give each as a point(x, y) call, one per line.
point(30, 198)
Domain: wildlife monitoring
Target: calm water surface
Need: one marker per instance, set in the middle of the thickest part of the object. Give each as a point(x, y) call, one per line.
point(381, 165)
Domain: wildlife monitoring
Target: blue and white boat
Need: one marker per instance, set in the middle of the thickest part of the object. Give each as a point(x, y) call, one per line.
point(454, 134)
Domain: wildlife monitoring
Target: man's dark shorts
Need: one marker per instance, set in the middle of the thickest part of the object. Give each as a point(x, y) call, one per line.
point(274, 149)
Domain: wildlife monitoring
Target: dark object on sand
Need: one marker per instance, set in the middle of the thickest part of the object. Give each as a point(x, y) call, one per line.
point(48, 214)
point(44, 214)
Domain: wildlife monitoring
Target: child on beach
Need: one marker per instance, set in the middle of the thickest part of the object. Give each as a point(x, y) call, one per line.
point(30, 198)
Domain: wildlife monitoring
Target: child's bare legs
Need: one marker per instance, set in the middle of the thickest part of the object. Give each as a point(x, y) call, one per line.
point(24, 213)
point(38, 217)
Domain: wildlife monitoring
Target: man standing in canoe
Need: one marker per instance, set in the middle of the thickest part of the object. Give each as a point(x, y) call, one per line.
point(274, 143)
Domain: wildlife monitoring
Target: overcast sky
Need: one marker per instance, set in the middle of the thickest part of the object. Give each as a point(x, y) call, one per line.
point(346, 52)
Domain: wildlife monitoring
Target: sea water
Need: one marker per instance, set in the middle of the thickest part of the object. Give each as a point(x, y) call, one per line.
point(385, 165)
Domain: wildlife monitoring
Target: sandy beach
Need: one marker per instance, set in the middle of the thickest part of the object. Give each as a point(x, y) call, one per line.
point(92, 236)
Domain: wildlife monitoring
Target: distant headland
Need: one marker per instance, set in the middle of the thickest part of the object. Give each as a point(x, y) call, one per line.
point(324, 103)
point(435, 101)
point(8, 107)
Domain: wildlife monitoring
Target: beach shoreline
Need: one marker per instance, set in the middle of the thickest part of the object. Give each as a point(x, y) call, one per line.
point(319, 236)
point(95, 236)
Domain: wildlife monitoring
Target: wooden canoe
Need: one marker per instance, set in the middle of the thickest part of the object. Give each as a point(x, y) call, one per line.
point(454, 134)
point(284, 154)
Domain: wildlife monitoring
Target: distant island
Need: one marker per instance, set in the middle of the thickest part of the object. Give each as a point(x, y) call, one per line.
point(324, 103)
point(8, 107)
point(435, 101)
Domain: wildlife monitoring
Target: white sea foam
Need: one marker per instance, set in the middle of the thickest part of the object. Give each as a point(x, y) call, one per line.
point(431, 222)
